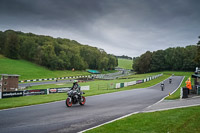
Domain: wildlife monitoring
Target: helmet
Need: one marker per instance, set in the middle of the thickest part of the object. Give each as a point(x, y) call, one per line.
point(75, 81)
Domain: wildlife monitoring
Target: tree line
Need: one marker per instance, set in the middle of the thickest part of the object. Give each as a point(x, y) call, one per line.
point(54, 53)
point(172, 59)
point(124, 57)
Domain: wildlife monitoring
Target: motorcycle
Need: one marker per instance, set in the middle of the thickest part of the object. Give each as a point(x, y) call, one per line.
point(74, 98)
point(170, 81)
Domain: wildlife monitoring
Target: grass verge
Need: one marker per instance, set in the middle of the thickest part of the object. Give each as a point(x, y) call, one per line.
point(125, 63)
point(28, 70)
point(184, 120)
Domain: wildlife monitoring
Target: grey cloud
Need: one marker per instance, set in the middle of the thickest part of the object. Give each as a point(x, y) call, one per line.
point(120, 27)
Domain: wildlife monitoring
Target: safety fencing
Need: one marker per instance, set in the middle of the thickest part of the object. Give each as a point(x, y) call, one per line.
point(38, 92)
point(125, 84)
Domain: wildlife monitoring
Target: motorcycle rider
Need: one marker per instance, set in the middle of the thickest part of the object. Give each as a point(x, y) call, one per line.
point(170, 80)
point(76, 87)
point(162, 86)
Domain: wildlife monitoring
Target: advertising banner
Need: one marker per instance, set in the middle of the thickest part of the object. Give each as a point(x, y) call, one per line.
point(59, 90)
point(117, 85)
point(131, 83)
point(85, 87)
point(12, 94)
point(125, 84)
point(35, 92)
point(139, 81)
point(121, 85)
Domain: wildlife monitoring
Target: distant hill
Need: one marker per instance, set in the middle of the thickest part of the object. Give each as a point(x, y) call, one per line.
point(29, 70)
point(125, 63)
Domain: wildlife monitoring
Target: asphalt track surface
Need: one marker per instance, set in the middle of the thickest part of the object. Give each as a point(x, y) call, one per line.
point(56, 117)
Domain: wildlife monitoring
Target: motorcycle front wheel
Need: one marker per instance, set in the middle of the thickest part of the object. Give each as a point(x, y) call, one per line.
point(68, 102)
point(82, 102)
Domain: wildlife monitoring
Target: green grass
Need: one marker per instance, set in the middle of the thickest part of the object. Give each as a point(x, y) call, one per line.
point(185, 120)
point(125, 63)
point(29, 70)
point(176, 95)
point(31, 100)
point(99, 84)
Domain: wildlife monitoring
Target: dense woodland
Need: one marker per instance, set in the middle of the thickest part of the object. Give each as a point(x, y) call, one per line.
point(175, 59)
point(54, 53)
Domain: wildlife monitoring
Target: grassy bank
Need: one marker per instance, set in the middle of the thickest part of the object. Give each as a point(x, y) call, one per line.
point(185, 120)
point(125, 63)
point(28, 70)
point(31, 100)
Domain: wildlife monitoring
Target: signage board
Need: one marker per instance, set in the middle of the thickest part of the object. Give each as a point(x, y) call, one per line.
point(35, 92)
point(139, 81)
point(59, 90)
point(12, 94)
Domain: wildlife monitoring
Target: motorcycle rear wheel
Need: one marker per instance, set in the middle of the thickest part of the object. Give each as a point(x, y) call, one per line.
point(83, 100)
point(68, 103)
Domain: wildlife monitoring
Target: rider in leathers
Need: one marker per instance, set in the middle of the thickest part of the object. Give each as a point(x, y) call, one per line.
point(76, 87)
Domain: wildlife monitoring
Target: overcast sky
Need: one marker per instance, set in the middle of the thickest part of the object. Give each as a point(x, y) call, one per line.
point(120, 27)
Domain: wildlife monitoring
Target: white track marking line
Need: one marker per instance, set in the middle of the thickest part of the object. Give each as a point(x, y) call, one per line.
point(140, 111)
point(167, 95)
point(137, 113)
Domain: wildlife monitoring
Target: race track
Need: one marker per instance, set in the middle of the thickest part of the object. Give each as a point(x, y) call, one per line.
point(56, 117)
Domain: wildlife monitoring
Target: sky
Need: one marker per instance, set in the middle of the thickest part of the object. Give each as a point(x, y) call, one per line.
point(120, 27)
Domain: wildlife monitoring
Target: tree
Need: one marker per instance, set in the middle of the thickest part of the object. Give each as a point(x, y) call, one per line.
point(54, 53)
point(28, 49)
point(158, 61)
point(197, 58)
point(12, 45)
point(2, 42)
point(143, 63)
